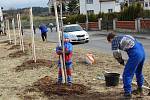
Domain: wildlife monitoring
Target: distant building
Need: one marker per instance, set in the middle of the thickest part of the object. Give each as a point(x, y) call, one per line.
point(96, 6)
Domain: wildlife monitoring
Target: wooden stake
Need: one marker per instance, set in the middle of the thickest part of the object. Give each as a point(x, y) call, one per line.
point(14, 30)
point(58, 31)
point(8, 29)
point(21, 35)
point(32, 31)
point(62, 38)
point(19, 31)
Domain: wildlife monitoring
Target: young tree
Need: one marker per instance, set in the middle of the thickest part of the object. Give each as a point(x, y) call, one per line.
point(73, 4)
point(58, 8)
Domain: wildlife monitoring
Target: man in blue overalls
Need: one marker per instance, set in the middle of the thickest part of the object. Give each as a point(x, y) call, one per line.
point(68, 61)
point(136, 54)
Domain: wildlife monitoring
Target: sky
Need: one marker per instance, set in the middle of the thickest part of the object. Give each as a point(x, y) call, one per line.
point(7, 4)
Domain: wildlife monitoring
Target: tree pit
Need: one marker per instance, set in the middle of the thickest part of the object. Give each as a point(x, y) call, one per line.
point(50, 87)
point(18, 54)
point(30, 64)
point(14, 47)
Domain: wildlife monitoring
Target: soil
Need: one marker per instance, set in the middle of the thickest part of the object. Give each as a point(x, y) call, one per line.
point(22, 79)
point(30, 64)
point(14, 47)
point(50, 87)
point(18, 54)
point(7, 42)
point(55, 91)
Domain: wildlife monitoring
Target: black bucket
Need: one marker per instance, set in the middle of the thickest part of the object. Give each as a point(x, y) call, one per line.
point(112, 79)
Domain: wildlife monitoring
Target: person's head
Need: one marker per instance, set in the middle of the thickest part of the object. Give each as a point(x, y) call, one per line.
point(110, 37)
point(66, 37)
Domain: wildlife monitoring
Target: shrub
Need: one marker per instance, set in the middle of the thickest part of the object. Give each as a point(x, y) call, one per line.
point(92, 18)
point(81, 18)
point(132, 12)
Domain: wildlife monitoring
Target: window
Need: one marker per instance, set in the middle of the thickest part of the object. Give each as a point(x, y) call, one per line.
point(90, 11)
point(89, 1)
point(146, 4)
point(110, 10)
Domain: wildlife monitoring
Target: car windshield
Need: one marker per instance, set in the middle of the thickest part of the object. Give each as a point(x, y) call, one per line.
point(72, 28)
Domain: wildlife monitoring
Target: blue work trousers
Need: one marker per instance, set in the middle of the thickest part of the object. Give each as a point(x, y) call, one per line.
point(68, 72)
point(133, 66)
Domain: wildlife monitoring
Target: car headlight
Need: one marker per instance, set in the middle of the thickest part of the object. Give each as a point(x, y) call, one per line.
point(86, 34)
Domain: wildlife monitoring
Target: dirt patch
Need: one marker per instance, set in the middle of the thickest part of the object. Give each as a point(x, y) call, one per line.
point(49, 87)
point(7, 41)
point(18, 54)
point(30, 64)
point(14, 47)
point(75, 92)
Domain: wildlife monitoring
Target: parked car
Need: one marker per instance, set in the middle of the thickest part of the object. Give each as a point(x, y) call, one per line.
point(76, 33)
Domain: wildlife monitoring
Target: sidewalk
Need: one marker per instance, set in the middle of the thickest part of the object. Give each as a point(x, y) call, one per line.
point(136, 35)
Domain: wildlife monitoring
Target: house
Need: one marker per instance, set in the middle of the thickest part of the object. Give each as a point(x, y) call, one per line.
point(144, 3)
point(1, 14)
point(96, 6)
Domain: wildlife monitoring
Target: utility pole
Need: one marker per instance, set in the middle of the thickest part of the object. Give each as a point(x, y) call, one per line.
point(87, 21)
point(100, 6)
point(49, 5)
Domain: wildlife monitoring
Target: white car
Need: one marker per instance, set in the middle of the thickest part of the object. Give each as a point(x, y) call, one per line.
point(76, 33)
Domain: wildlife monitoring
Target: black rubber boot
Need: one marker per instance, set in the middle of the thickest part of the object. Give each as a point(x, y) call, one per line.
point(127, 96)
point(138, 91)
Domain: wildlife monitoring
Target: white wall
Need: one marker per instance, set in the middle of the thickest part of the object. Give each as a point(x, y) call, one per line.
point(147, 8)
point(117, 7)
point(110, 5)
point(96, 6)
point(1, 18)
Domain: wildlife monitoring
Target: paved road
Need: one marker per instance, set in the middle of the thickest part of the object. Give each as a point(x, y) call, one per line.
point(99, 43)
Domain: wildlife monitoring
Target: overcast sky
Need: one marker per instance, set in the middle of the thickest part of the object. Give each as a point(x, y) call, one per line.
point(22, 3)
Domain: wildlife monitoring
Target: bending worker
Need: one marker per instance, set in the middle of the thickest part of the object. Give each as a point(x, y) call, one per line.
point(136, 54)
point(44, 31)
point(68, 62)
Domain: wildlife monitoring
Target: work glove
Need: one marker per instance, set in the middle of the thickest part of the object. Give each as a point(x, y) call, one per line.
point(59, 52)
point(60, 48)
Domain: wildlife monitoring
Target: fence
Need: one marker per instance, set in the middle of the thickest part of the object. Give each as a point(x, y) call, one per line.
point(139, 25)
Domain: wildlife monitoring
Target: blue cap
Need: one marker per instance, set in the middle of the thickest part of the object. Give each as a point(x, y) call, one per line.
point(66, 35)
